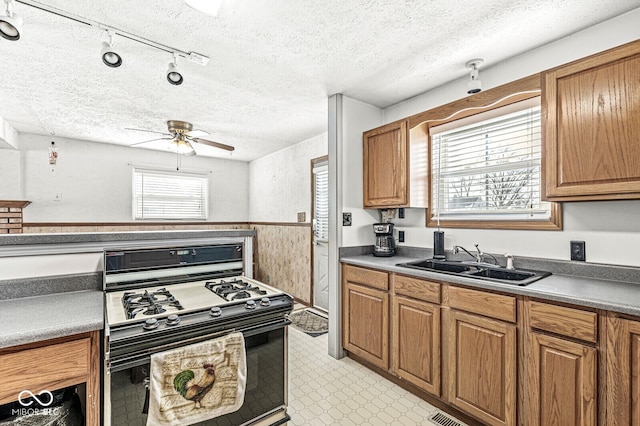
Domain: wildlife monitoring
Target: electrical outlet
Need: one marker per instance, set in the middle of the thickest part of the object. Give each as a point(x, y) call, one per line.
point(578, 251)
point(401, 236)
point(346, 219)
point(302, 217)
point(401, 213)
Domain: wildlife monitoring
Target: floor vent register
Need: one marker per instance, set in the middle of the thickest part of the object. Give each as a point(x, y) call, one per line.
point(441, 419)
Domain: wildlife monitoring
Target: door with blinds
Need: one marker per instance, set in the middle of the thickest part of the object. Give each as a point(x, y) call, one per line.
point(320, 221)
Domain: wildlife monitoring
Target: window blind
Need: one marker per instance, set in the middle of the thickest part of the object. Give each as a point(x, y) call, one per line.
point(167, 195)
point(321, 202)
point(487, 166)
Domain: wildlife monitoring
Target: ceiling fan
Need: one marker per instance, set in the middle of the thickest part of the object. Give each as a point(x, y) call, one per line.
point(181, 135)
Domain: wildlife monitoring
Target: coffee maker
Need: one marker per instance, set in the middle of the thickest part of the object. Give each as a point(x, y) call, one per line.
point(385, 244)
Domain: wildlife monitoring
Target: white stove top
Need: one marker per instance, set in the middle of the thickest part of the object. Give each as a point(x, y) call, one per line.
point(192, 296)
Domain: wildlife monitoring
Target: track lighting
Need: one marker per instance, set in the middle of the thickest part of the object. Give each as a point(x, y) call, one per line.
point(210, 7)
point(474, 85)
point(173, 75)
point(109, 55)
point(10, 24)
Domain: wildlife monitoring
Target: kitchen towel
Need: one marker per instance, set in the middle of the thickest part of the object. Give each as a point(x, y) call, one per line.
point(197, 382)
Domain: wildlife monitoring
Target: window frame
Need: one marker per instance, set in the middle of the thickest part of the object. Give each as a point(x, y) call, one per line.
point(142, 170)
point(519, 90)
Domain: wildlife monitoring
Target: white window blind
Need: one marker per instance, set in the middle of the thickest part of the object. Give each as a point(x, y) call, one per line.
point(321, 202)
point(167, 195)
point(487, 166)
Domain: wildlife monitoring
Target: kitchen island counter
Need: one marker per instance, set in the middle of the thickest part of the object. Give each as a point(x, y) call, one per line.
point(33, 319)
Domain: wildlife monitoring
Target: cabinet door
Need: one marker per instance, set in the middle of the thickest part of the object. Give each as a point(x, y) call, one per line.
point(562, 387)
point(591, 127)
point(482, 367)
point(385, 166)
point(623, 372)
point(416, 343)
point(366, 323)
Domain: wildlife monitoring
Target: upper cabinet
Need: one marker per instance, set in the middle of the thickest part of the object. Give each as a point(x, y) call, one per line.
point(385, 174)
point(591, 127)
point(389, 155)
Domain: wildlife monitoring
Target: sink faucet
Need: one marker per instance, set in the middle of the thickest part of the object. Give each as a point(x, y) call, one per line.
point(479, 256)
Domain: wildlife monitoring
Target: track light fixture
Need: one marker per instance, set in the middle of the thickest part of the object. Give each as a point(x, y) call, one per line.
point(110, 57)
point(474, 85)
point(210, 7)
point(10, 24)
point(173, 75)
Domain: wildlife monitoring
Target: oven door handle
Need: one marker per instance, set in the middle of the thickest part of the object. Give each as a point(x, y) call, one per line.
point(246, 331)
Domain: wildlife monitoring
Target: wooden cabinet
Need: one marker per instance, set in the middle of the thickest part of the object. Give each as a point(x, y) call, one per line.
point(591, 127)
point(365, 314)
point(385, 171)
point(623, 371)
point(561, 373)
point(482, 370)
point(416, 333)
point(54, 365)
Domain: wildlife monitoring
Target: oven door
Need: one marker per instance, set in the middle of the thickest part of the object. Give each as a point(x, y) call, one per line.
point(265, 398)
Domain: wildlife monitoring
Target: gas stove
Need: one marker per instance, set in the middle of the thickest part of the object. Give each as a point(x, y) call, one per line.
point(164, 298)
point(131, 306)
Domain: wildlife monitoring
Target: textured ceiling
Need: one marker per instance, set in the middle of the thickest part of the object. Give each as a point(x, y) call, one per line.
point(273, 63)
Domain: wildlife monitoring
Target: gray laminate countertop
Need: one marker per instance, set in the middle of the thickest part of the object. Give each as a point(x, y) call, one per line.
point(33, 319)
point(611, 295)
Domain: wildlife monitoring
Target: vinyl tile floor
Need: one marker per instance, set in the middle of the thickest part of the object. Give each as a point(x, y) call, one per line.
point(327, 391)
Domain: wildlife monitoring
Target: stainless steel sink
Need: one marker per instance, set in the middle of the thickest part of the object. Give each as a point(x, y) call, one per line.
point(479, 271)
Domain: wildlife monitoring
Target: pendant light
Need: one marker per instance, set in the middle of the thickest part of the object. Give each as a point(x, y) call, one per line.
point(474, 85)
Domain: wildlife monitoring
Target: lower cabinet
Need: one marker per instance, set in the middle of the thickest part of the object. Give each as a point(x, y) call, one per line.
point(366, 315)
point(416, 343)
point(562, 387)
point(482, 370)
point(623, 372)
point(52, 365)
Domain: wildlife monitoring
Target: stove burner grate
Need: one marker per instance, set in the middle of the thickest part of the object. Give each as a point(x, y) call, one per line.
point(234, 290)
point(149, 303)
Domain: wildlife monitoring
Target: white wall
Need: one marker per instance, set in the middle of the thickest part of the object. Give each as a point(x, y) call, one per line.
point(280, 183)
point(10, 175)
point(610, 229)
point(94, 181)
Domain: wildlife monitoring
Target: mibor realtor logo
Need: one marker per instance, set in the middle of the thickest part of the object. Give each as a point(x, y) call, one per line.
point(26, 398)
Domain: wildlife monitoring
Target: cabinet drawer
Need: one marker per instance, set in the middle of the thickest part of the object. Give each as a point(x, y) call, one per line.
point(568, 322)
point(368, 277)
point(45, 368)
point(480, 302)
point(416, 288)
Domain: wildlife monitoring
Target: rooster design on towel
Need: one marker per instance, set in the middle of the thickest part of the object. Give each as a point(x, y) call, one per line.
point(185, 384)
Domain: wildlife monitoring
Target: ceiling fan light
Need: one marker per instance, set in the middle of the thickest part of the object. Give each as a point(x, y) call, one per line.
point(173, 75)
point(11, 27)
point(210, 7)
point(110, 57)
point(181, 146)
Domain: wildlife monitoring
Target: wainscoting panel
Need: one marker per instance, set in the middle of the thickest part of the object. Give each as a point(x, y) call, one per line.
point(283, 258)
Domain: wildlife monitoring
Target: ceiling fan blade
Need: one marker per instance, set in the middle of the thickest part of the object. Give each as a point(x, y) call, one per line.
point(196, 133)
point(214, 144)
point(151, 140)
point(148, 131)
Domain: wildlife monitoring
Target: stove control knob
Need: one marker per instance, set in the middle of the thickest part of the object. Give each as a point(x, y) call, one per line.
point(251, 304)
point(215, 311)
point(265, 301)
point(151, 324)
point(173, 319)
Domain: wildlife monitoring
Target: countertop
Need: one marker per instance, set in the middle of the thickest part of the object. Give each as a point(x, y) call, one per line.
point(617, 296)
point(33, 319)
